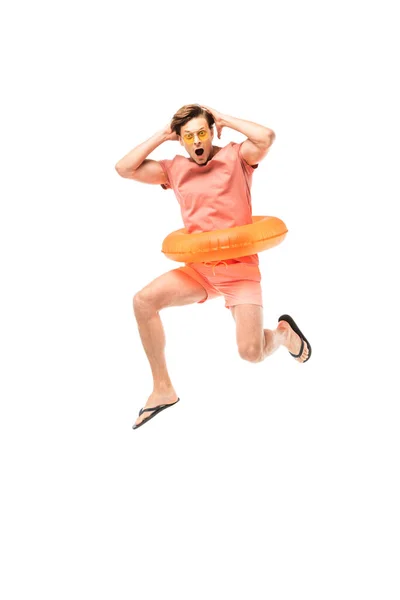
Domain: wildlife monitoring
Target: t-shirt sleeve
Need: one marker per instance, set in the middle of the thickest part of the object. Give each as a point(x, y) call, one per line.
point(165, 164)
point(249, 168)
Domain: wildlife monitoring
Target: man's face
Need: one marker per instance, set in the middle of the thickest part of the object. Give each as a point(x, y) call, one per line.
point(196, 135)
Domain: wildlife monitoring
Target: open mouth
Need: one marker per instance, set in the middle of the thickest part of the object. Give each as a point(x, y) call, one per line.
point(199, 151)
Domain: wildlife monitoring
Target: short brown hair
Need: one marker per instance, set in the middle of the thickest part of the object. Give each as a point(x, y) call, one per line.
point(188, 112)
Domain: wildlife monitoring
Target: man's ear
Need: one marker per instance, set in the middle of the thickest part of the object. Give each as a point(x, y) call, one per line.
point(180, 140)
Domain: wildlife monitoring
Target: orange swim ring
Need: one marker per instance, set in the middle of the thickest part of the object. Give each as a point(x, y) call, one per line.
point(262, 234)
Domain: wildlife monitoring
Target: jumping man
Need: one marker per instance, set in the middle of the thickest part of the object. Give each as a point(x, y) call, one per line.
point(212, 187)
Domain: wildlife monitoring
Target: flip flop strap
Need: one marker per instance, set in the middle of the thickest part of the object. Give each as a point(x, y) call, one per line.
point(301, 349)
point(142, 410)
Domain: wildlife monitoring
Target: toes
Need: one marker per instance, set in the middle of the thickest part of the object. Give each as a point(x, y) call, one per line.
point(304, 354)
point(141, 418)
point(297, 347)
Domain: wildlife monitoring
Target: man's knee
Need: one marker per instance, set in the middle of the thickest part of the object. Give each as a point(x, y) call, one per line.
point(250, 351)
point(143, 302)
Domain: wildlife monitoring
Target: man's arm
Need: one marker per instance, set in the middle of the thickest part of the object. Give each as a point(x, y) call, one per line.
point(135, 165)
point(260, 138)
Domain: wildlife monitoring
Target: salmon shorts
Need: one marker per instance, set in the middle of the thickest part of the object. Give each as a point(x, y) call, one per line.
point(238, 282)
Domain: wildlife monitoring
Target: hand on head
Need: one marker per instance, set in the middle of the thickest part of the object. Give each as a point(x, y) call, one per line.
point(218, 118)
point(171, 135)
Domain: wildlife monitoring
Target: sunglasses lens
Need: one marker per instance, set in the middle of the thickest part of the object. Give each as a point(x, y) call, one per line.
point(202, 135)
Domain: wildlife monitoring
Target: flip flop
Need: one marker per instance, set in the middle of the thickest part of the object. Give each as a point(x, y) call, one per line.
point(293, 325)
point(155, 409)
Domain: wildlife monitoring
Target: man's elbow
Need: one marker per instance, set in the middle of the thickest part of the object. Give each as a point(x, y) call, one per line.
point(267, 139)
point(270, 138)
point(122, 172)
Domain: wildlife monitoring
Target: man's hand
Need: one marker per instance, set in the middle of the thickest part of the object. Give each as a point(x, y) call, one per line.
point(169, 134)
point(218, 118)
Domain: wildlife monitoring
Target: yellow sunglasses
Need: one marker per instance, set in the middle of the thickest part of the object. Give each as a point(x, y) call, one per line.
point(202, 135)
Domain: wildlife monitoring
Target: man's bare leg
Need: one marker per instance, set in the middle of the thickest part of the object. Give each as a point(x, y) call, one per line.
point(283, 335)
point(174, 288)
point(255, 343)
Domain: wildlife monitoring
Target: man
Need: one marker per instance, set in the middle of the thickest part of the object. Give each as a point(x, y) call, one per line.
point(212, 187)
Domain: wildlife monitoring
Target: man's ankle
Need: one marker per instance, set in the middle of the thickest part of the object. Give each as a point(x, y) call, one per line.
point(162, 387)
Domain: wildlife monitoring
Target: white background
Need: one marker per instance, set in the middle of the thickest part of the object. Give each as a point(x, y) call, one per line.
point(273, 480)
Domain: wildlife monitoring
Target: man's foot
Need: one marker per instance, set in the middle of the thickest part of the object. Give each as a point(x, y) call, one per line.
point(157, 399)
point(294, 339)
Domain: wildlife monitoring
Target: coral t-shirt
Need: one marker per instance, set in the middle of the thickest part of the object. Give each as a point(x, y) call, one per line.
point(213, 196)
